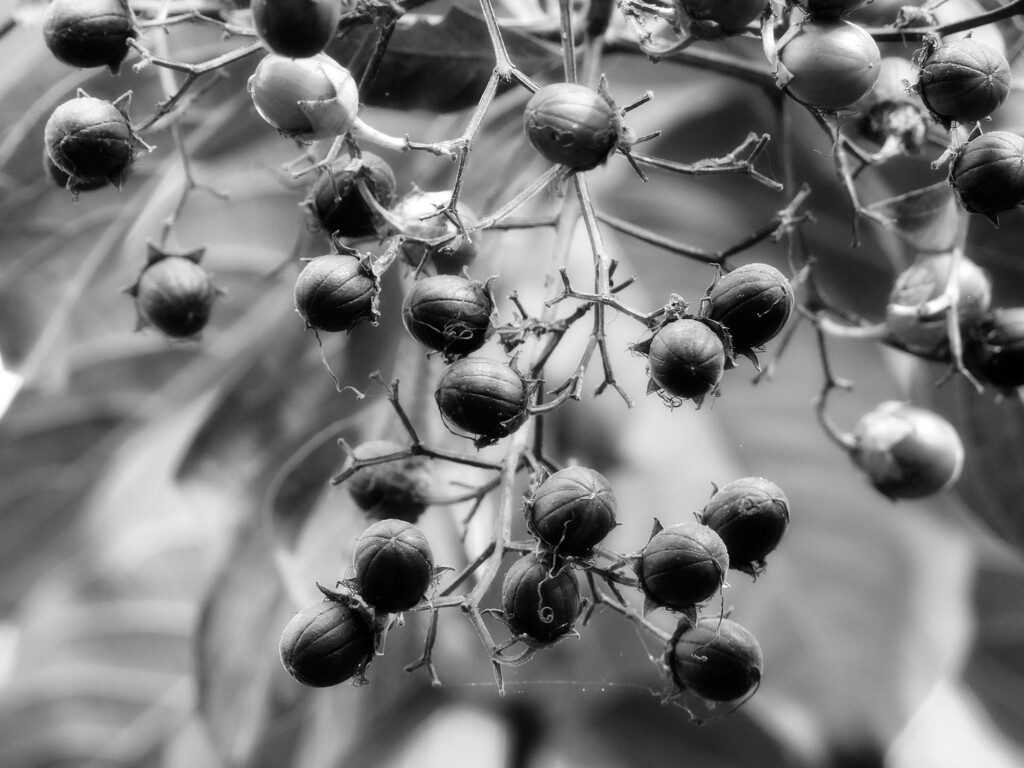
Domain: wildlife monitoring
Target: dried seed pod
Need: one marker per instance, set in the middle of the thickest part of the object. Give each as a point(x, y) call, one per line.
point(572, 510)
point(337, 202)
point(326, 644)
point(305, 99)
point(395, 489)
point(296, 28)
point(174, 294)
point(686, 359)
point(753, 302)
point(963, 80)
point(417, 214)
point(925, 280)
point(987, 173)
point(907, 452)
point(88, 33)
point(335, 293)
point(572, 125)
point(394, 565)
point(449, 314)
point(996, 352)
point(718, 659)
point(540, 598)
point(63, 180)
point(751, 516)
point(90, 139)
point(682, 565)
point(828, 64)
point(484, 397)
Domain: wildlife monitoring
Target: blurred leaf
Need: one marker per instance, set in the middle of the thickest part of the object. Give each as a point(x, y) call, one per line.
point(437, 63)
point(928, 219)
point(995, 667)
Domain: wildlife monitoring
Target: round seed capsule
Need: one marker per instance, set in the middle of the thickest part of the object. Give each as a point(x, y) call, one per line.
point(394, 565)
point(572, 510)
point(484, 397)
point(718, 659)
point(326, 644)
point(683, 565)
point(540, 599)
point(751, 516)
point(449, 314)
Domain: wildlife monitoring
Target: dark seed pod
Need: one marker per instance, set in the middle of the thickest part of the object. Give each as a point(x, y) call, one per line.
point(831, 9)
point(394, 565)
point(335, 293)
point(416, 212)
point(572, 510)
point(305, 99)
point(395, 489)
point(963, 81)
point(448, 314)
point(296, 28)
point(925, 280)
point(753, 302)
point(907, 452)
point(174, 295)
point(730, 16)
point(326, 644)
point(682, 565)
point(987, 173)
point(484, 397)
point(62, 180)
point(718, 660)
point(540, 598)
point(996, 353)
point(90, 139)
point(571, 125)
point(88, 33)
point(750, 515)
point(337, 202)
point(686, 359)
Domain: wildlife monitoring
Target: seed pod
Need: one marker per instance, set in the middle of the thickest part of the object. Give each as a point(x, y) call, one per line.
point(925, 280)
point(326, 644)
point(572, 510)
point(719, 660)
point(828, 64)
point(729, 16)
point(296, 28)
point(571, 125)
point(963, 80)
point(686, 359)
point(682, 565)
point(394, 565)
point(996, 353)
point(396, 489)
point(448, 314)
point(174, 295)
point(90, 139)
point(337, 202)
point(484, 397)
point(416, 212)
point(987, 173)
point(889, 113)
point(907, 452)
point(753, 302)
point(335, 293)
point(540, 598)
point(88, 33)
point(751, 516)
point(305, 99)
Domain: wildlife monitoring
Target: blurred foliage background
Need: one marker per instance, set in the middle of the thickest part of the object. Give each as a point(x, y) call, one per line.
point(165, 507)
